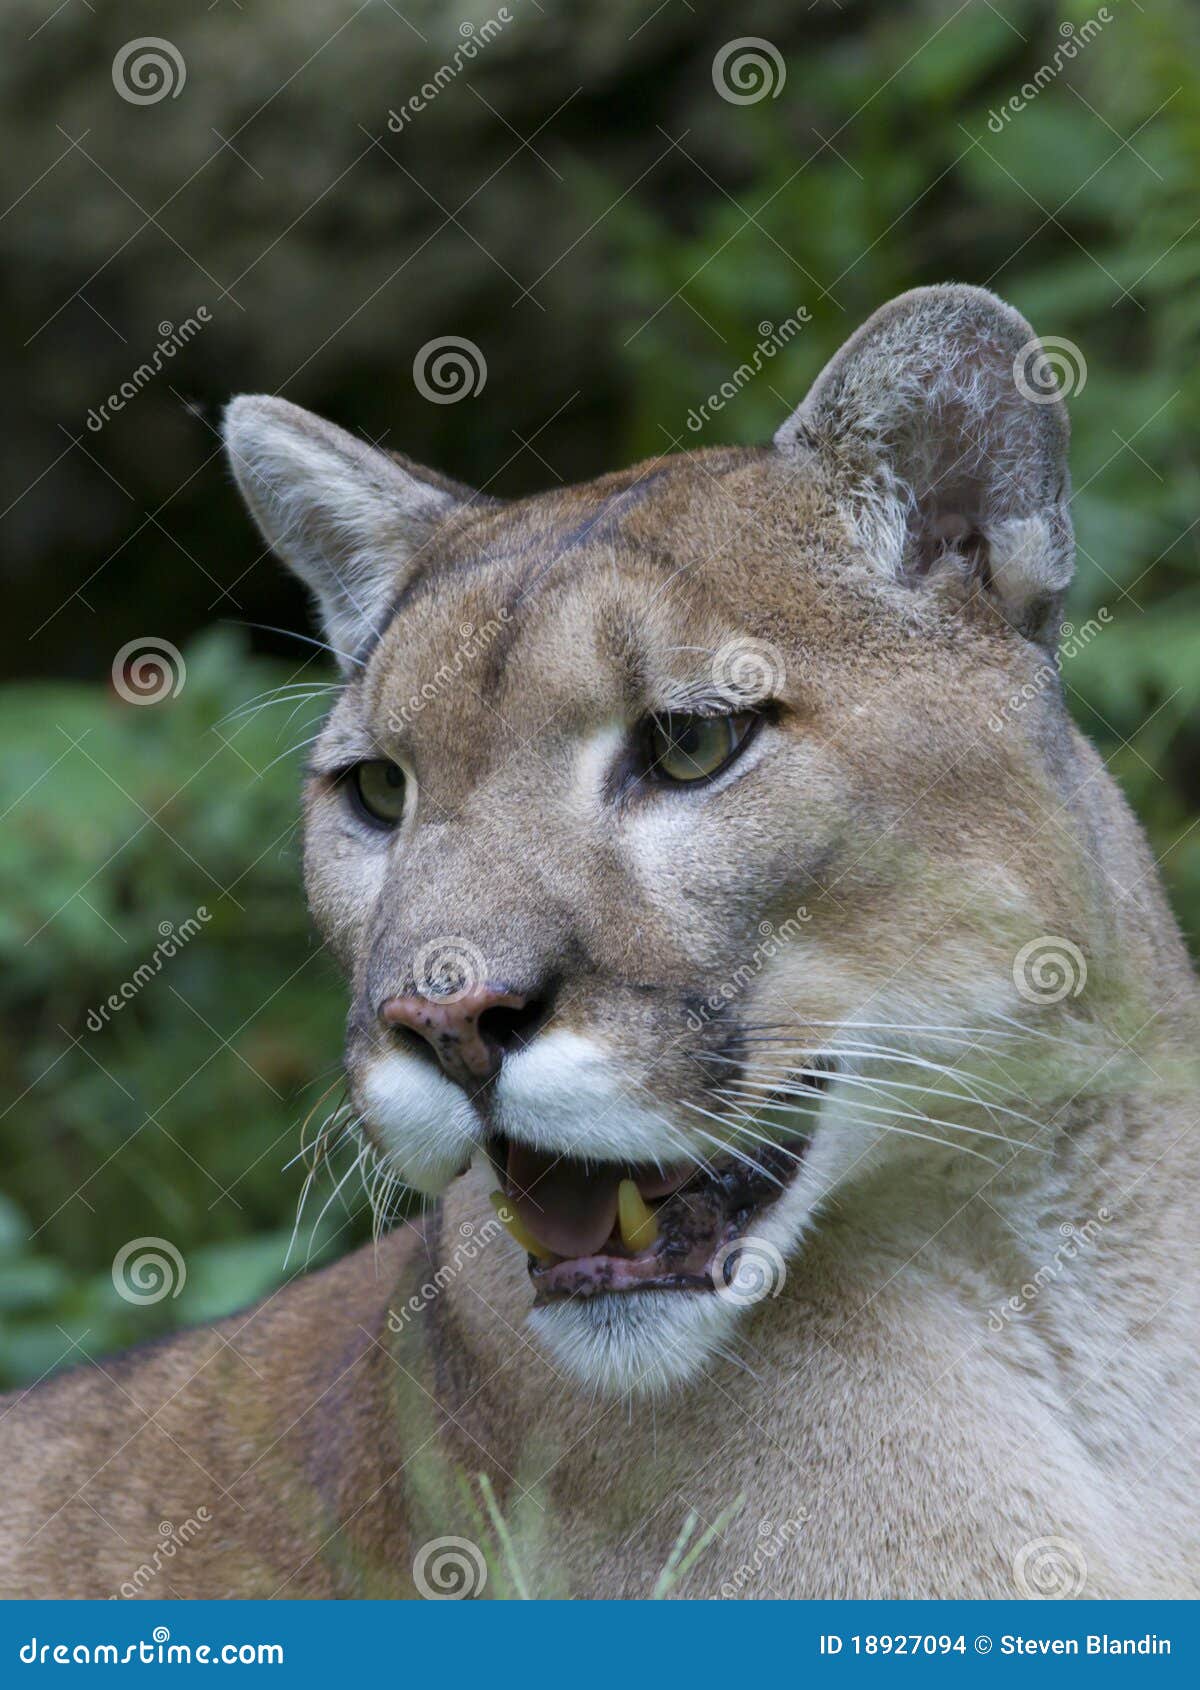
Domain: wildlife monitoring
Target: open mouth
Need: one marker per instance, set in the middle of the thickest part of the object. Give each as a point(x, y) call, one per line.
point(602, 1227)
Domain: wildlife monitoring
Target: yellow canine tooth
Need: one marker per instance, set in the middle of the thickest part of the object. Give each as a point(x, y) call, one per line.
point(512, 1223)
point(638, 1226)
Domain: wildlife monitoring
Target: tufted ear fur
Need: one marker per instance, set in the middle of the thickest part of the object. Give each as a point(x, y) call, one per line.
point(947, 439)
point(348, 519)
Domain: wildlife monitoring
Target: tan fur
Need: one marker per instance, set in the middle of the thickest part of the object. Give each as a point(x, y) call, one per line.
point(877, 1428)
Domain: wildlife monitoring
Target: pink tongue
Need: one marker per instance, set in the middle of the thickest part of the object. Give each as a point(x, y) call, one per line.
point(570, 1209)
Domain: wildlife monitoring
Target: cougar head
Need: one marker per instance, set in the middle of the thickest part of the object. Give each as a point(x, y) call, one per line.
point(653, 809)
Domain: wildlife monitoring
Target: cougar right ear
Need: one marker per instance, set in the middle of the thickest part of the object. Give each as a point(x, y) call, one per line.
point(945, 435)
point(348, 519)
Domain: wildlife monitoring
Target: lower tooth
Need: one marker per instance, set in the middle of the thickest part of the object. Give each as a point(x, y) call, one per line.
point(512, 1223)
point(639, 1229)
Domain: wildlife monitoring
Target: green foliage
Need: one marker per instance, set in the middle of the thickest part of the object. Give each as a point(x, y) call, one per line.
point(161, 838)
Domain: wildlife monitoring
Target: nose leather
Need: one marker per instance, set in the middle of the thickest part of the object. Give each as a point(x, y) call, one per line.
point(451, 1027)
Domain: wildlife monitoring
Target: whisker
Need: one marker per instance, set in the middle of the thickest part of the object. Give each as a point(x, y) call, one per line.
point(908, 1115)
point(876, 1082)
point(291, 751)
point(722, 1146)
point(316, 1227)
point(892, 1054)
point(1022, 1031)
point(291, 634)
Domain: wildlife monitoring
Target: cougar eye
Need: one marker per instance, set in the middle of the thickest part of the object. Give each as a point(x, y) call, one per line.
point(684, 749)
point(378, 790)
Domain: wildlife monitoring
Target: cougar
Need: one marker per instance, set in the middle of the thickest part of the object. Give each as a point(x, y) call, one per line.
point(772, 995)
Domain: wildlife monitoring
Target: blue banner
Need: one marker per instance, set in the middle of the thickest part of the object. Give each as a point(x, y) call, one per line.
point(832, 1643)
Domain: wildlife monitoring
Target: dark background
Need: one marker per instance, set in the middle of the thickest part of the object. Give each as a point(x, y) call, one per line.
point(581, 203)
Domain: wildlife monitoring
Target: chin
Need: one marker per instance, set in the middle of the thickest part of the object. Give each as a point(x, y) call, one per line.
point(652, 1341)
point(639, 1343)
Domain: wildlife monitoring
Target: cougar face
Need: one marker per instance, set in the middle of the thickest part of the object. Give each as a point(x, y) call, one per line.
point(652, 808)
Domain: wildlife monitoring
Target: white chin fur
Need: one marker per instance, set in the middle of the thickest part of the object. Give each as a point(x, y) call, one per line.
point(645, 1342)
point(565, 1093)
point(651, 1342)
point(422, 1121)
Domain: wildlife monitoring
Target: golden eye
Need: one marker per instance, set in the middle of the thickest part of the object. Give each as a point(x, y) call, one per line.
point(379, 788)
point(692, 748)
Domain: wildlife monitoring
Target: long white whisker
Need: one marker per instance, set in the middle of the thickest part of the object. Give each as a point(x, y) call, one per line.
point(321, 645)
point(357, 1163)
point(892, 1112)
point(906, 1057)
point(878, 1082)
point(291, 751)
point(971, 1033)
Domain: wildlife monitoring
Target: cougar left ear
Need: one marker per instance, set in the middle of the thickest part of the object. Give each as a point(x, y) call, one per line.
point(947, 437)
point(349, 520)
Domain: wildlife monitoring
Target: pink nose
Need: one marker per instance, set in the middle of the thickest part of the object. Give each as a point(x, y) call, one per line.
point(456, 1028)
